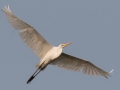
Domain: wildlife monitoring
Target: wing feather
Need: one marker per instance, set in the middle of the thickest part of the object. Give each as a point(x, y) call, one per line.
point(29, 35)
point(76, 64)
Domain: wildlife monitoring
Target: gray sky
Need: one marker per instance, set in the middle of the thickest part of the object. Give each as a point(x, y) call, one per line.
point(92, 25)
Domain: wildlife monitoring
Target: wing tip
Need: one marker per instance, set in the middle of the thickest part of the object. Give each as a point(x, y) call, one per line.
point(111, 71)
point(6, 9)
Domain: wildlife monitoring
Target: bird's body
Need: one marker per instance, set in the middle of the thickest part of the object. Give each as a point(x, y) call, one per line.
point(50, 54)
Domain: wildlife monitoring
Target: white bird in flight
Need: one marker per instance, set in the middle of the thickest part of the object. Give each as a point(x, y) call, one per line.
point(50, 54)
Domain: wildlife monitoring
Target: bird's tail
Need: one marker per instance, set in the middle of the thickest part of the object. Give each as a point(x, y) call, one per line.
point(37, 65)
point(41, 66)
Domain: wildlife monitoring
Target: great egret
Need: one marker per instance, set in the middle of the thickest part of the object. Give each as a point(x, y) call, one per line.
point(50, 54)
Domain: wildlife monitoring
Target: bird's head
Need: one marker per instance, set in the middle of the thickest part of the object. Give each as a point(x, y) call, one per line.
point(64, 45)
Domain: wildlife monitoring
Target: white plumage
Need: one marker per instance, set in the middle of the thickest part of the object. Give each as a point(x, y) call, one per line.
point(48, 53)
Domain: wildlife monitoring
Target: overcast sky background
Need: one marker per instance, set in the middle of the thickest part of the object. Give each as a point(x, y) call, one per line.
point(92, 25)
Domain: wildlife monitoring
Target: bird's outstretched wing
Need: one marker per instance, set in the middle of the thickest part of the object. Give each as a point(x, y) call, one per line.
point(76, 64)
point(29, 35)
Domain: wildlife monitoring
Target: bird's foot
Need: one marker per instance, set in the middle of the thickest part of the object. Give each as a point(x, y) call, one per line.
point(30, 79)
